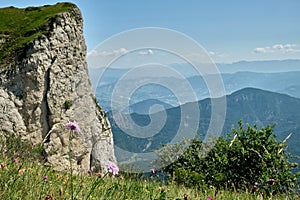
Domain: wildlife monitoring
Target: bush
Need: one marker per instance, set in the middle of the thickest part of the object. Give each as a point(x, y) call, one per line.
point(250, 158)
point(32, 9)
point(68, 104)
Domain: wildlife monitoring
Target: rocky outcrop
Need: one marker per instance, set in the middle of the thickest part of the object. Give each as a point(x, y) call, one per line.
point(47, 86)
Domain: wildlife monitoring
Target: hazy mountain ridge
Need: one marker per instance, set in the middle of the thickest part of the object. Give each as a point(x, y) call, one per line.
point(265, 66)
point(110, 75)
point(267, 104)
point(253, 106)
point(283, 82)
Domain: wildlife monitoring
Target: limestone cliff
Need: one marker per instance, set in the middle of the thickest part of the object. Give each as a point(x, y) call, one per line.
point(45, 85)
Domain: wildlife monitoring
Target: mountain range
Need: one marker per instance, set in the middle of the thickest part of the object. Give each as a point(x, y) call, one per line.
point(280, 82)
point(257, 92)
point(271, 66)
point(251, 105)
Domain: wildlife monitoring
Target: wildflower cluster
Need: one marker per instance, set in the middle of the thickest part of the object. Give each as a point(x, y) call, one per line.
point(112, 167)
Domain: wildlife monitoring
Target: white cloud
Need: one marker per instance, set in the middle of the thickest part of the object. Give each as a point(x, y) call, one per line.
point(112, 53)
point(211, 53)
point(262, 49)
point(146, 52)
point(278, 48)
point(97, 58)
point(286, 47)
point(217, 54)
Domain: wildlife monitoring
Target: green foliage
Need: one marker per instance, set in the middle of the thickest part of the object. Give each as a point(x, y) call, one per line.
point(24, 178)
point(13, 146)
point(68, 104)
point(247, 159)
point(28, 180)
point(18, 27)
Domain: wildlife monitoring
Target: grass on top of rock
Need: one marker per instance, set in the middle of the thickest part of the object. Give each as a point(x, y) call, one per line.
point(20, 26)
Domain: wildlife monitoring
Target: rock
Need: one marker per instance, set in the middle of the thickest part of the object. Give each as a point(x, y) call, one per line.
point(49, 86)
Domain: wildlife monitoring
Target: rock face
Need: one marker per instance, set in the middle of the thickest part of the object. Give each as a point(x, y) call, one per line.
point(47, 86)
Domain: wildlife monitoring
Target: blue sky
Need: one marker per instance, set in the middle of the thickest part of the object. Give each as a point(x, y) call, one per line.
point(230, 30)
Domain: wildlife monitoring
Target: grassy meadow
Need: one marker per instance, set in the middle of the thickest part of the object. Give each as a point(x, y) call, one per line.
point(24, 174)
point(27, 179)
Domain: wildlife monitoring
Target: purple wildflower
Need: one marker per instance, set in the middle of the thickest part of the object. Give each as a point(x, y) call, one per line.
point(15, 160)
point(2, 165)
point(46, 177)
point(254, 188)
point(73, 126)
point(271, 181)
point(112, 167)
point(209, 198)
point(153, 170)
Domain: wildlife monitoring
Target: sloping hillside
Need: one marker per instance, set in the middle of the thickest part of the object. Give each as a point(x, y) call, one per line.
point(253, 106)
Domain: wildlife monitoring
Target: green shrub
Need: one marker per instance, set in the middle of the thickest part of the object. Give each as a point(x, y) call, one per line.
point(250, 158)
point(68, 104)
point(28, 9)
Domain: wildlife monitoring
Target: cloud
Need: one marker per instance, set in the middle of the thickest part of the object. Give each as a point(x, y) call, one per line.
point(263, 50)
point(112, 53)
point(117, 52)
point(97, 58)
point(217, 54)
point(211, 53)
point(277, 48)
point(146, 52)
